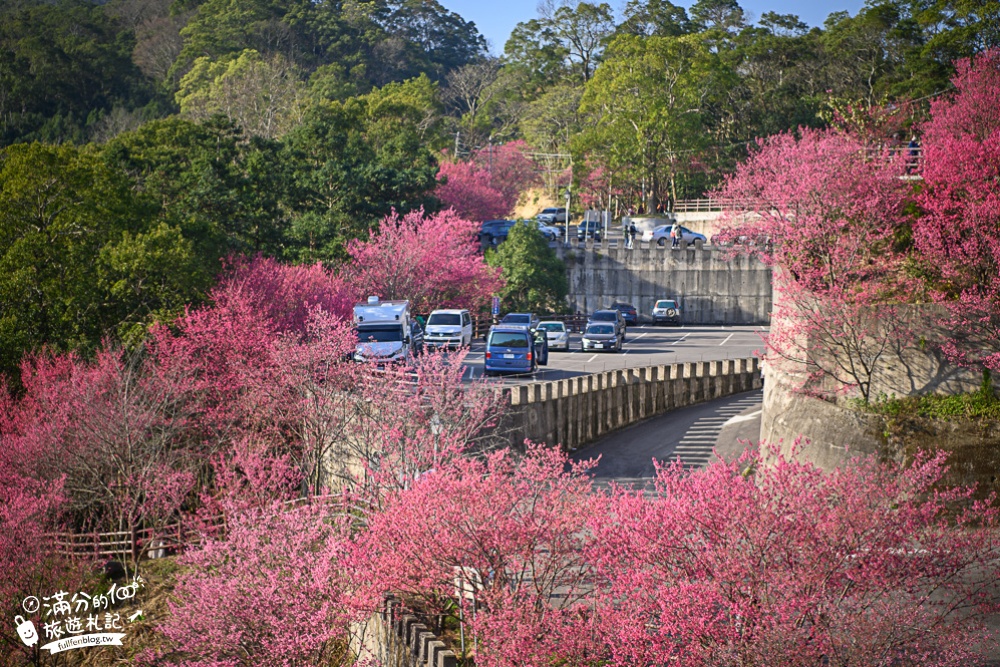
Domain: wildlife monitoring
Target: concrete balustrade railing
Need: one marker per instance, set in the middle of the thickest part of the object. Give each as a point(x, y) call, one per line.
point(395, 638)
point(578, 410)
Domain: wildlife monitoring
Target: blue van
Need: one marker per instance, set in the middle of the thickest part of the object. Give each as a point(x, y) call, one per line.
point(513, 349)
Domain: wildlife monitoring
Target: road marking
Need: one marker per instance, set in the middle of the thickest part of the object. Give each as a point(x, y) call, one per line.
point(680, 339)
point(640, 335)
point(727, 340)
point(591, 359)
point(743, 418)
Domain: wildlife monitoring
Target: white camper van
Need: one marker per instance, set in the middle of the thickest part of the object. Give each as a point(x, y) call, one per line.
point(383, 331)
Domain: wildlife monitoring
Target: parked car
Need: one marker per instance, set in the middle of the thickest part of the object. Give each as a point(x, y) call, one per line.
point(541, 347)
point(666, 311)
point(556, 333)
point(550, 233)
point(494, 232)
point(661, 236)
point(448, 328)
point(600, 336)
point(416, 338)
point(529, 320)
point(613, 317)
point(591, 228)
point(628, 311)
point(512, 349)
point(550, 215)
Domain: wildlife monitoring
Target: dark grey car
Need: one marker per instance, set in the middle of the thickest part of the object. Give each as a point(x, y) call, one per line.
point(529, 320)
point(601, 337)
point(614, 317)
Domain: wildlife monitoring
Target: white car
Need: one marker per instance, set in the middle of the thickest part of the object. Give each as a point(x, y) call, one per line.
point(661, 236)
point(556, 334)
point(550, 215)
point(448, 328)
point(550, 233)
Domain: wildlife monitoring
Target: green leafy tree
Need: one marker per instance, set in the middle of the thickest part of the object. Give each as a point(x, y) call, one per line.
point(648, 108)
point(61, 66)
point(353, 163)
point(535, 277)
point(655, 17)
point(225, 193)
point(264, 97)
point(82, 257)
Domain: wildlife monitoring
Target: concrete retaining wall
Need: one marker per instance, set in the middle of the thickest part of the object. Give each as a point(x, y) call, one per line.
point(711, 289)
point(573, 412)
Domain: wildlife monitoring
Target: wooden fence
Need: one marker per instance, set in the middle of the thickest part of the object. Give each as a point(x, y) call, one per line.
point(155, 542)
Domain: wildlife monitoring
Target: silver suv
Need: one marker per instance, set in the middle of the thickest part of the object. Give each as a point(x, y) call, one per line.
point(550, 215)
point(666, 311)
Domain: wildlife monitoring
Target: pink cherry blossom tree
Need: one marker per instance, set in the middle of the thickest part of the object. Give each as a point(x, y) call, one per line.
point(277, 590)
point(958, 236)
point(507, 529)
point(431, 260)
point(784, 564)
point(825, 212)
point(116, 434)
point(511, 171)
point(465, 188)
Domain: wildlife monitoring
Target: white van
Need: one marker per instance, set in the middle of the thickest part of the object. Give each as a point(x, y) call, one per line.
point(384, 331)
point(448, 328)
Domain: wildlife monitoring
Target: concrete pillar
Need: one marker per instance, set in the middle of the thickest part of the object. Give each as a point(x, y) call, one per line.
point(535, 391)
point(413, 636)
point(434, 649)
point(519, 395)
point(424, 642)
point(447, 659)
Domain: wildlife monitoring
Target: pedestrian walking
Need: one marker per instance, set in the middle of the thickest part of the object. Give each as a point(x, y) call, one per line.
point(675, 235)
point(631, 234)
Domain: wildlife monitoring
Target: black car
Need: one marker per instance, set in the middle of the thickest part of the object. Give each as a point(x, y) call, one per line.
point(493, 232)
point(416, 338)
point(529, 320)
point(591, 228)
point(628, 311)
point(609, 317)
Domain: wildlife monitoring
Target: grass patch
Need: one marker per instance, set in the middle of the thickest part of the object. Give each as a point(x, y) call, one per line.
point(980, 404)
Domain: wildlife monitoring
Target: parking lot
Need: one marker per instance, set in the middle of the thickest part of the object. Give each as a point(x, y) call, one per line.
point(645, 345)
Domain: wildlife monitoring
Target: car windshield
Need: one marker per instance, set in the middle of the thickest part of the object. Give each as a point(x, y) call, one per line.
point(623, 306)
point(517, 319)
point(445, 319)
point(552, 326)
point(665, 304)
point(508, 339)
point(604, 317)
point(600, 329)
point(382, 334)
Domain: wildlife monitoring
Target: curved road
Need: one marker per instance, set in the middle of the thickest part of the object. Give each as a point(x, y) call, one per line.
point(690, 433)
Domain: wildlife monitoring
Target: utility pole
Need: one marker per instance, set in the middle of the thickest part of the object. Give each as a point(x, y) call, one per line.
point(567, 214)
point(457, 133)
point(491, 155)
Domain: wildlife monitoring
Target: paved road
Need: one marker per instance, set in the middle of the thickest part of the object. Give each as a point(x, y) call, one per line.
point(689, 433)
point(644, 346)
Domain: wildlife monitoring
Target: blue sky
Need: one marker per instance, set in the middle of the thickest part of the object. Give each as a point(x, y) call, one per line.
point(496, 18)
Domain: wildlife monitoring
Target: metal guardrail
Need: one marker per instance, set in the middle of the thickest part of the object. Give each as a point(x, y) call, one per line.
point(913, 156)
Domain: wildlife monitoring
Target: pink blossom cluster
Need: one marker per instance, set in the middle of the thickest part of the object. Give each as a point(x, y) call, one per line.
point(488, 185)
